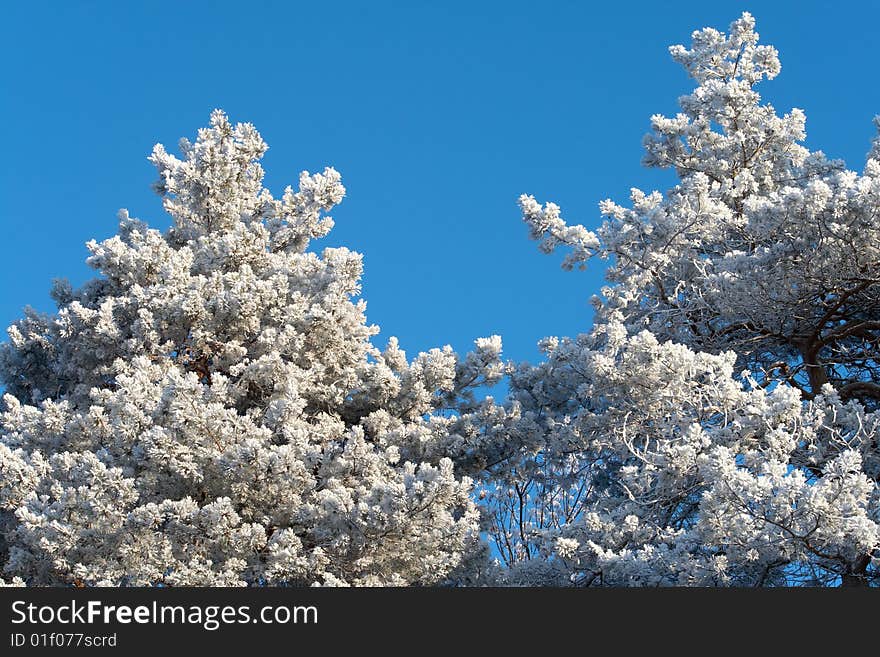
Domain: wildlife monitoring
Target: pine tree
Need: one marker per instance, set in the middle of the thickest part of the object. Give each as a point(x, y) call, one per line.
point(720, 423)
point(210, 410)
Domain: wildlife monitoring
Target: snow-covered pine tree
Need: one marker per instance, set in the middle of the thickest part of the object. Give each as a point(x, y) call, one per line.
point(720, 423)
point(210, 410)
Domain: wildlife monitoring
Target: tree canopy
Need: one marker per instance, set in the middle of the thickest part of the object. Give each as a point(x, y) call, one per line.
point(210, 409)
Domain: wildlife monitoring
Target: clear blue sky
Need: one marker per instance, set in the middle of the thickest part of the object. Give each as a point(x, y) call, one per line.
point(437, 114)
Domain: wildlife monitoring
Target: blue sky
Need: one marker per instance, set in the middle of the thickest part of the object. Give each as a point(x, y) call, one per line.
point(438, 115)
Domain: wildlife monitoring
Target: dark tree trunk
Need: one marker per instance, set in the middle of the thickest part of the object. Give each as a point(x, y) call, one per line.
point(856, 574)
point(815, 369)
